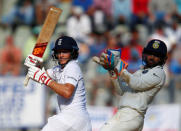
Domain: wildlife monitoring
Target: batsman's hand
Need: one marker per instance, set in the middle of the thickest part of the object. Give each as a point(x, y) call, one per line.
point(32, 60)
point(39, 75)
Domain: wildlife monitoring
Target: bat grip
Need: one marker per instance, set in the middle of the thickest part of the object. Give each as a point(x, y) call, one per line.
point(26, 80)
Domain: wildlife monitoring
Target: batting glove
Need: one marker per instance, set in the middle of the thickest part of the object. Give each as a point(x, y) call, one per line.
point(32, 60)
point(39, 75)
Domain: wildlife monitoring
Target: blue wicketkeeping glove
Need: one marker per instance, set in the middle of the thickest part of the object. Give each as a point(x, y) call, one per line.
point(111, 60)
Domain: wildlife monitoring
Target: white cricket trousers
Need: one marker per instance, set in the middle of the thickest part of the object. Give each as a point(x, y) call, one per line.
point(69, 121)
point(126, 119)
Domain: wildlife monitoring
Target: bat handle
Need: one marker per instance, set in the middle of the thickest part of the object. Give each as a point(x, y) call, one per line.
point(26, 80)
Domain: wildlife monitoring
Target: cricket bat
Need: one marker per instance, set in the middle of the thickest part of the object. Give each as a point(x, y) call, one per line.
point(45, 34)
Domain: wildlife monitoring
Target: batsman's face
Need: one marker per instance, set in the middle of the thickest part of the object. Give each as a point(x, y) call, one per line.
point(63, 56)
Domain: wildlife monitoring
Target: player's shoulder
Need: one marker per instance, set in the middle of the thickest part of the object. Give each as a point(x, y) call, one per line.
point(73, 65)
point(158, 70)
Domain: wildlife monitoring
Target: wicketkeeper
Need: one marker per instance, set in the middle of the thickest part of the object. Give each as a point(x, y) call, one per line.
point(141, 86)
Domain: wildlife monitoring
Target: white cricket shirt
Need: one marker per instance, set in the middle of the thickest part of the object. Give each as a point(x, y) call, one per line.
point(144, 86)
point(72, 74)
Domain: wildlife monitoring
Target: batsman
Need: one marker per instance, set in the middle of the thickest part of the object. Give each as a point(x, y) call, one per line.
point(65, 79)
point(137, 90)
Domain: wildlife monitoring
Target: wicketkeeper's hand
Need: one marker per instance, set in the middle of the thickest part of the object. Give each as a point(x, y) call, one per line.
point(121, 66)
point(110, 60)
point(39, 75)
point(32, 60)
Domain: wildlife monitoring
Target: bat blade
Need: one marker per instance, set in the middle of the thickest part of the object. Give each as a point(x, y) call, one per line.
point(46, 31)
point(45, 34)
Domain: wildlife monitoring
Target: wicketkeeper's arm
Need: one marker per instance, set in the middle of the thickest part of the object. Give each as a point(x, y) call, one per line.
point(113, 76)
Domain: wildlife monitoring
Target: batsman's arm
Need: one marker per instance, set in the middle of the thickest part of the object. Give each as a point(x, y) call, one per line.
point(41, 76)
point(113, 76)
point(65, 90)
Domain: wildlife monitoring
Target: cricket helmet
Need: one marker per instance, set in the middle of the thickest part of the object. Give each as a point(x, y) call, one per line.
point(157, 48)
point(66, 43)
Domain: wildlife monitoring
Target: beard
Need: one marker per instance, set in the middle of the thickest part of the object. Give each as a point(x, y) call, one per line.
point(149, 63)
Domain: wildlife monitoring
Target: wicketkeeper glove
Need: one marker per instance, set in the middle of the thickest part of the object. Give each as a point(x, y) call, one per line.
point(110, 60)
point(39, 75)
point(32, 60)
point(121, 66)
